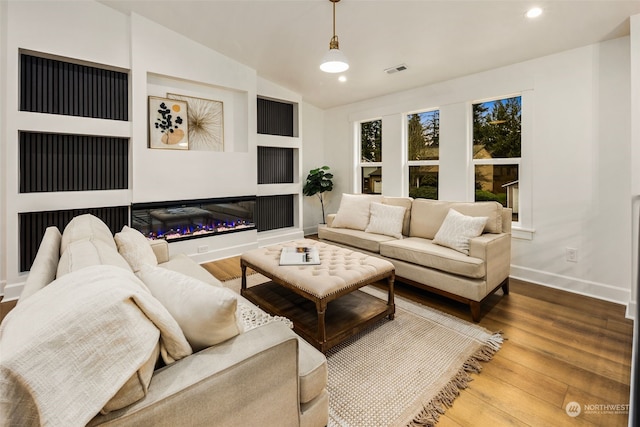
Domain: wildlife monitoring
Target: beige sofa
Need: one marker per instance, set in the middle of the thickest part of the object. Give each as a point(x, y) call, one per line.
point(410, 243)
point(263, 375)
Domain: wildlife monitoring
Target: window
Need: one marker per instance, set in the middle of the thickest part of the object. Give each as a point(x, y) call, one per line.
point(497, 151)
point(371, 157)
point(423, 146)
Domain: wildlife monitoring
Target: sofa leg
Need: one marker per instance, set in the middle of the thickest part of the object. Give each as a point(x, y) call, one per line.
point(475, 310)
point(505, 286)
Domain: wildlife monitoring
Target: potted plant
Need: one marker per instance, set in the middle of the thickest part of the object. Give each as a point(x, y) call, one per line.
point(318, 181)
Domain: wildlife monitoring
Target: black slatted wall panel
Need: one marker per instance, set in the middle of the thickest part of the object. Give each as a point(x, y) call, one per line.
point(275, 118)
point(56, 162)
point(273, 212)
point(275, 165)
point(58, 87)
point(33, 224)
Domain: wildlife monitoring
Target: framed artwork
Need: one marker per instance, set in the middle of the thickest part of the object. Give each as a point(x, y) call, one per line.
point(206, 122)
point(168, 124)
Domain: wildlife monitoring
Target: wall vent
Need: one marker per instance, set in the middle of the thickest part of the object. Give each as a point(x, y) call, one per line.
point(396, 69)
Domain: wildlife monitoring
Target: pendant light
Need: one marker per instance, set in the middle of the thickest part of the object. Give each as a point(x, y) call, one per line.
point(334, 61)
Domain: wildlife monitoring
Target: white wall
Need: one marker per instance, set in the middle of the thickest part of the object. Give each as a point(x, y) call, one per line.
point(54, 29)
point(313, 157)
point(158, 61)
point(576, 146)
point(3, 154)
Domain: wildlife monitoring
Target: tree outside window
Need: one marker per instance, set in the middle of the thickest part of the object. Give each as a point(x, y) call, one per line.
point(497, 151)
point(423, 146)
point(371, 157)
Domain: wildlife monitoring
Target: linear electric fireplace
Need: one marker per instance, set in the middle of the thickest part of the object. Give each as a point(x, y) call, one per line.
point(189, 219)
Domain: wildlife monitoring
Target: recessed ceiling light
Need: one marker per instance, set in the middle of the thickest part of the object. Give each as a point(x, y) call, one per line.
point(342, 79)
point(534, 12)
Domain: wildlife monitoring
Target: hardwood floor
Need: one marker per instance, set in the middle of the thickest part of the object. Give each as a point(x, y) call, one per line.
point(559, 348)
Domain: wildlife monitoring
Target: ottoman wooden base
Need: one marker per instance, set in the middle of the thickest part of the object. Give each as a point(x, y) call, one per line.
point(323, 300)
point(344, 317)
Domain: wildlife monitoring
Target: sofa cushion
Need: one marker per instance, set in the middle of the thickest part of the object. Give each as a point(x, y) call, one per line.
point(312, 370)
point(424, 252)
point(135, 248)
point(353, 238)
point(44, 267)
point(206, 314)
point(89, 227)
point(354, 211)
point(85, 253)
point(457, 229)
point(427, 215)
point(386, 219)
point(406, 203)
point(492, 210)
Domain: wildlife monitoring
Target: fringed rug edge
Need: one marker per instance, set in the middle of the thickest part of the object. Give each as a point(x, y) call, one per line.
point(431, 412)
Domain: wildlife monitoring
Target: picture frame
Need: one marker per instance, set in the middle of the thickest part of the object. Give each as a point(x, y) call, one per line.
point(168, 124)
point(206, 122)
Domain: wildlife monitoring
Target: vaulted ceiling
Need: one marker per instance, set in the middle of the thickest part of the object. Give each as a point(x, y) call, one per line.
point(437, 40)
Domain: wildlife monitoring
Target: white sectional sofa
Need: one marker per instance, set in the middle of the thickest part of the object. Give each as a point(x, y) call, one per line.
point(86, 322)
point(442, 259)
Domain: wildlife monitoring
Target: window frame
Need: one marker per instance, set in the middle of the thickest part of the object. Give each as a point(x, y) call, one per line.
point(523, 228)
point(409, 163)
point(361, 164)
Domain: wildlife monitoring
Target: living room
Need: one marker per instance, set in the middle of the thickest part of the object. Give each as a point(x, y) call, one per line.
point(579, 172)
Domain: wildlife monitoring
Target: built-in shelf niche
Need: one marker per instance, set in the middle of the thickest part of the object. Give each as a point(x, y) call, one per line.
point(277, 117)
point(62, 86)
point(235, 105)
point(50, 162)
point(275, 165)
point(275, 212)
point(32, 226)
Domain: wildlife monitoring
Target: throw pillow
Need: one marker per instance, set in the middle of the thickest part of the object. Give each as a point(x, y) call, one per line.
point(354, 211)
point(206, 314)
point(457, 229)
point(386, 219)
point(135, 248)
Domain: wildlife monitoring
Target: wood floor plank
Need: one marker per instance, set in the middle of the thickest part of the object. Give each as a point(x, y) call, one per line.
point(535, 383)
point(599, 411)
point(470, 410)
point(589, 360)
point(521, 405)
point(565, 372)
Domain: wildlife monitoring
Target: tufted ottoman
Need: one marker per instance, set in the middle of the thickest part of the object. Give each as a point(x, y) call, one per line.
point(303, 292)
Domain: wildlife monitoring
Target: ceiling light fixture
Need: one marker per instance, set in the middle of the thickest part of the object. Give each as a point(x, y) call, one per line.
point(334, 61)
point(534, 12)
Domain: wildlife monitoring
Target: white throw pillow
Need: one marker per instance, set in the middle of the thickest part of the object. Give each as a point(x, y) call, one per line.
point(206, 314)
point(386, 219)
point(135, 248)
point(353, 211)
point(457, 229)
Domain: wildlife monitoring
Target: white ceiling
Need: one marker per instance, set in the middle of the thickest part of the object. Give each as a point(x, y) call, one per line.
point(437, 40)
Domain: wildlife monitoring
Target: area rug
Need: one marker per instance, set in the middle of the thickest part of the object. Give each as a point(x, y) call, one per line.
point(402, 372)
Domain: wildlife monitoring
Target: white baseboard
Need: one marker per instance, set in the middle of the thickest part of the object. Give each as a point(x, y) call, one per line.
point(632, 310)
point(311, 230)
point(12, 291)
point(268, 238)
point(572, 284)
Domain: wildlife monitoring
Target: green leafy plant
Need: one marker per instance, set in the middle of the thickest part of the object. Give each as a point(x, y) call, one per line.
point(318, 182)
